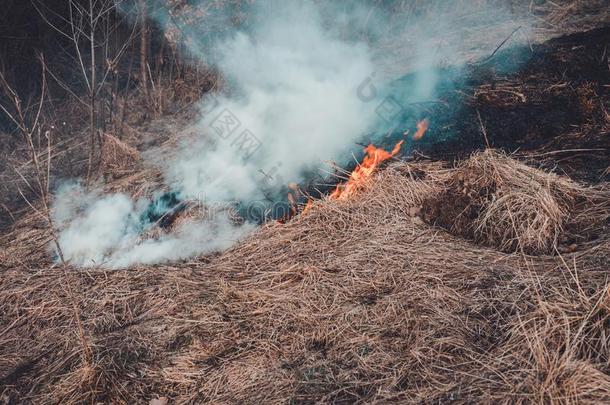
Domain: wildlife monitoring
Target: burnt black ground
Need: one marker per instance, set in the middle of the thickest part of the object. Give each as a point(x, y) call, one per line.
point(550, 96)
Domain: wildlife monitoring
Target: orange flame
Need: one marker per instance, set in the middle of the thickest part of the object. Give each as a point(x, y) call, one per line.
point(292, 202)
point(307, 206)
point(422, 127)
point(373, 157)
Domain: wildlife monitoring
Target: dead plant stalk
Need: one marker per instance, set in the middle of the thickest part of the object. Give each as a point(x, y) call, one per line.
point(42, 182)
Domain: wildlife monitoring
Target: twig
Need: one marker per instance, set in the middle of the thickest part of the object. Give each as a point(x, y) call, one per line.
point(483, 130)
point(42, 182)
point(501, 45)
point(555, 152)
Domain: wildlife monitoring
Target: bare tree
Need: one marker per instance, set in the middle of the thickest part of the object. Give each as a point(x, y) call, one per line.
point(143, 12)
point(89, 30)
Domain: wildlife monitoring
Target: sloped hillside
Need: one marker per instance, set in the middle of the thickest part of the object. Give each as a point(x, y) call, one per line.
point(354, 300)
point(473, 267)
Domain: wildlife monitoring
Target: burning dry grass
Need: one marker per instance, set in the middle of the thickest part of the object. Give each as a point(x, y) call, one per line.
point(356, 300)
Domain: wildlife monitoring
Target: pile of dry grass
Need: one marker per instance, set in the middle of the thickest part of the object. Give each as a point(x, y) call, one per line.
point(501, 202)
point(354, 301)
point(118, 159)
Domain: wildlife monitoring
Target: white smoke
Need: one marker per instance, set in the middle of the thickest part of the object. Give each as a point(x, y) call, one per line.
point(295, 102)
point(107, 231)
point(190, 239)
point(294, 96)
point(103, 226)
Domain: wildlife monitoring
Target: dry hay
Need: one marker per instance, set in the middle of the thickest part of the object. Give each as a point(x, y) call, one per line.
point(118, 159)
point(501, 202)
point(357, 301)
point(353, 301)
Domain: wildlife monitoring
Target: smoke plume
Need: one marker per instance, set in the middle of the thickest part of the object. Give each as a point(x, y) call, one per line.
point(295, 101)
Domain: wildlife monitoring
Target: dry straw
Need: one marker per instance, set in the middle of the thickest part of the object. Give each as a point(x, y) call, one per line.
point(354, 301)
point(501, 202)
